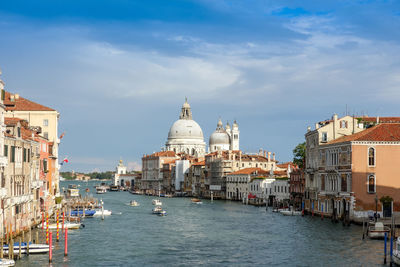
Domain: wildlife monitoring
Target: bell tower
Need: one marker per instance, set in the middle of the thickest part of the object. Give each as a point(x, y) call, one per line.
point(235, 136)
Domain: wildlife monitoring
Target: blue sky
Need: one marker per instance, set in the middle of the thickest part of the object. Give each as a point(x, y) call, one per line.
point(118, 71)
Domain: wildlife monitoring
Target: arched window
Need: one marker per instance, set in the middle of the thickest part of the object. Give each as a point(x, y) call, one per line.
point(193, 151)
point(371, 156)
point(371, 183)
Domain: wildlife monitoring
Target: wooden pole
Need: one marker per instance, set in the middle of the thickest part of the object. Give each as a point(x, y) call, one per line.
point(363, 228)
point(384, 249)
point(42, 221)
point(58, 228)
point(1, 249)
point(47, 229)
point(37, 237)
point(66, 242)
point(19, 250)
point(50, 247)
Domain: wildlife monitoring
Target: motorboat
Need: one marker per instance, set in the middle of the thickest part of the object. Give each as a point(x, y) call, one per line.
point(88, 213)
point(396, 252)
point(101, 190)
point(114, 188)
point(7, 262)
point(33, 248)
point(196, 201)
point(159, 211)
point(378, 230)
point(134, 203)
point(67, 225)
point(156, 202)
point(100, 212)
point(291, 212)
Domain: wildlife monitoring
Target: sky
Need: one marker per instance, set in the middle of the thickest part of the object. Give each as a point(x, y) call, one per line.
point(119, 71)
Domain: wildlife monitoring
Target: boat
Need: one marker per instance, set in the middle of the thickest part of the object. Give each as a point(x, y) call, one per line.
point(396, 252)
point(159, 211)
point(68, 225)
point(196, 201)
point(101, 190)
point(100, 212)
point(33, 248)
point(156, 202)
point(134, 203)
point(378, 230)
point(88, 213)
point(7, 262)
point(290, 212)
point(114, 188)
point(72, 191)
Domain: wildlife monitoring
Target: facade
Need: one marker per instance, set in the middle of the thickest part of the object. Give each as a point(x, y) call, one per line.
point(194, 180)
point(152, 170)
point(356, 171)
point(240, 183)
point(185, 135)
point(43, 120)
point(296, 183)
point(324, 132)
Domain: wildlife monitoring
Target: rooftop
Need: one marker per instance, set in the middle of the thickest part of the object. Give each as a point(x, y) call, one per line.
point(14, 102)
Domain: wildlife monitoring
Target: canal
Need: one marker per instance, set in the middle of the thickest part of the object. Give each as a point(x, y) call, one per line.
point(214, 233)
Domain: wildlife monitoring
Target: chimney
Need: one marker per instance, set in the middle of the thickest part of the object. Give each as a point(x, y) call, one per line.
point(269, 156)
point(260, 151)
point(12, 98)
point(335, 117)
point(308, 128)
point(273, 156)
point(316, 126)
point(265, 154)
point(16, 96)
point(377, 119)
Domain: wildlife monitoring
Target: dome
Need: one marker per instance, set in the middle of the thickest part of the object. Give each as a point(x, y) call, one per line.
point(219, 138)
point(185, 129)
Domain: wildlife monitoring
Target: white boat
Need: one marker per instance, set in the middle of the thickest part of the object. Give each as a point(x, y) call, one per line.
point(396, 252)
point(290, 212)
point(156, 202)
point(7, 262)
point(133, 203)
point(68, 225)
point(196, 201)
point(33, 248)
point(99, 212)
point(101, 190)
point(162, 213)
point(378, 230)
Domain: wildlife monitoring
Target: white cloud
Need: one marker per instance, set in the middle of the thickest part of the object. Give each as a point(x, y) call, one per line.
point(134, 166)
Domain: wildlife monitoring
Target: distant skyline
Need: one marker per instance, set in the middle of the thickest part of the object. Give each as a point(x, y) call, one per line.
point(118, 71)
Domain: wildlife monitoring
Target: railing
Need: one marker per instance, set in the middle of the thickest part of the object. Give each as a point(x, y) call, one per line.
point(3, 161)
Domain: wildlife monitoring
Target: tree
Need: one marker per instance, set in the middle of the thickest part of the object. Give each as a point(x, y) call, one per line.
point(299, 155)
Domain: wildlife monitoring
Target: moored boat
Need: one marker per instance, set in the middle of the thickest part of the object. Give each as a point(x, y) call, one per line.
point(68, 225)
point(101, 190)
point(196, 201)
point(378, 230)
point(33, 248)
point(88, 213)
point(100, 212)
point(290, 212)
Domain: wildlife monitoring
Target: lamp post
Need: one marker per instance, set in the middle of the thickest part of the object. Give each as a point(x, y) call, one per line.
point(376, 207)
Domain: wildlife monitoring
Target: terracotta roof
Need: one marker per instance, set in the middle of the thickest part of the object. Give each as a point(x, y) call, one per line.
point(280, 173)
point(162, 154)
point(11, 121)
point(201, 163)
point(381, 119)
point(381, 132)
point(244, 157)
point(249, 171)
point(286, 164)
point(22, 104)
point(169, 161)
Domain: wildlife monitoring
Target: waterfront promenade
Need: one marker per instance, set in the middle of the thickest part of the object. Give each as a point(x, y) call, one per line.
point(219, 233)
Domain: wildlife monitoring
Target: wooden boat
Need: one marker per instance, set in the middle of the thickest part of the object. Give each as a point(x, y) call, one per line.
point(114, 188)
point(33, 248)
point(101, 190)
point(196, 201)
point(156, 202)
point(7, 262)
point(396, 252)
point(378, 230)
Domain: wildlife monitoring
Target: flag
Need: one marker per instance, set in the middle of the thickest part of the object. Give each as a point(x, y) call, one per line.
point(62, 135)
point(64, 160)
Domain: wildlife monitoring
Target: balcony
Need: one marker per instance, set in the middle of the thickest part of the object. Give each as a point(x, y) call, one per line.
point(3, 193)
point(3, 161)
point(36, 184)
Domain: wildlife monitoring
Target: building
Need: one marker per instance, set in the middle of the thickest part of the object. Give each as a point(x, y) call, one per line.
point(324, 132)
point(152, 170)
point(296, 189)
point(43, 120)
point(356, 171)
point(185, 135)
point(194, 180)
point(240, 183)
point(224, 139)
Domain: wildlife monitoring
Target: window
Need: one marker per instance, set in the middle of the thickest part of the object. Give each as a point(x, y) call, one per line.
point(19, 131)
point(5, 150)
point(323, 182)
point(46, 122)
point(46, 135)
point(12, 154)
point(344, 183)
point(24, 154)
point(371, 183)
point(343, 124)
point(371, 156)
point(324, 137)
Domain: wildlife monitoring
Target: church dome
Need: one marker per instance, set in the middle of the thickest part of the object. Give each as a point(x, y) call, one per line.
point(185, 129)
point(219, 136)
